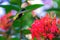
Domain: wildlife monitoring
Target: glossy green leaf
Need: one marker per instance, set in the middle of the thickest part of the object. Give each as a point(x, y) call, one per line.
point(53, 9)
point(10, 7)
point(16, 2)
point(32, 7)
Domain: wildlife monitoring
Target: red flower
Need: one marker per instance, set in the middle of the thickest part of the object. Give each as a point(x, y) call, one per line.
point(4, 20)
point(45, 26)
point(58, 21)
point(50, 36)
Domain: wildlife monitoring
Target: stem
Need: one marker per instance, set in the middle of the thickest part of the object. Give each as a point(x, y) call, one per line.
point(20, 35)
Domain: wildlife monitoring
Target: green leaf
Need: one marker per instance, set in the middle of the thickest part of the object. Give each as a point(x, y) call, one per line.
point(25, 31)
point(14, 39)
point(32, 7)
point(16, 23)
point(10, 7)
point(2, 38)
point(53, 9)
point(26, 19)
point(16, 2)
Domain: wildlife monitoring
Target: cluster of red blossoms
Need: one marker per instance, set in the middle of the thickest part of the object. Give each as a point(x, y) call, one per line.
point(4, 20)
point(46, 27)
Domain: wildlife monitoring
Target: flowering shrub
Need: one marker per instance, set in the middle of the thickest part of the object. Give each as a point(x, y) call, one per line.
point(46, 27)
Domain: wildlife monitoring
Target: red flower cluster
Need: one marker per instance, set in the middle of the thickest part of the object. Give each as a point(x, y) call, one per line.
point(46, 27)
point(4, 20)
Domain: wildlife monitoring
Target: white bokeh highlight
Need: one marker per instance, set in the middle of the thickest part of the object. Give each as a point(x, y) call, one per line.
point(5, 3)
point(2, 11)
